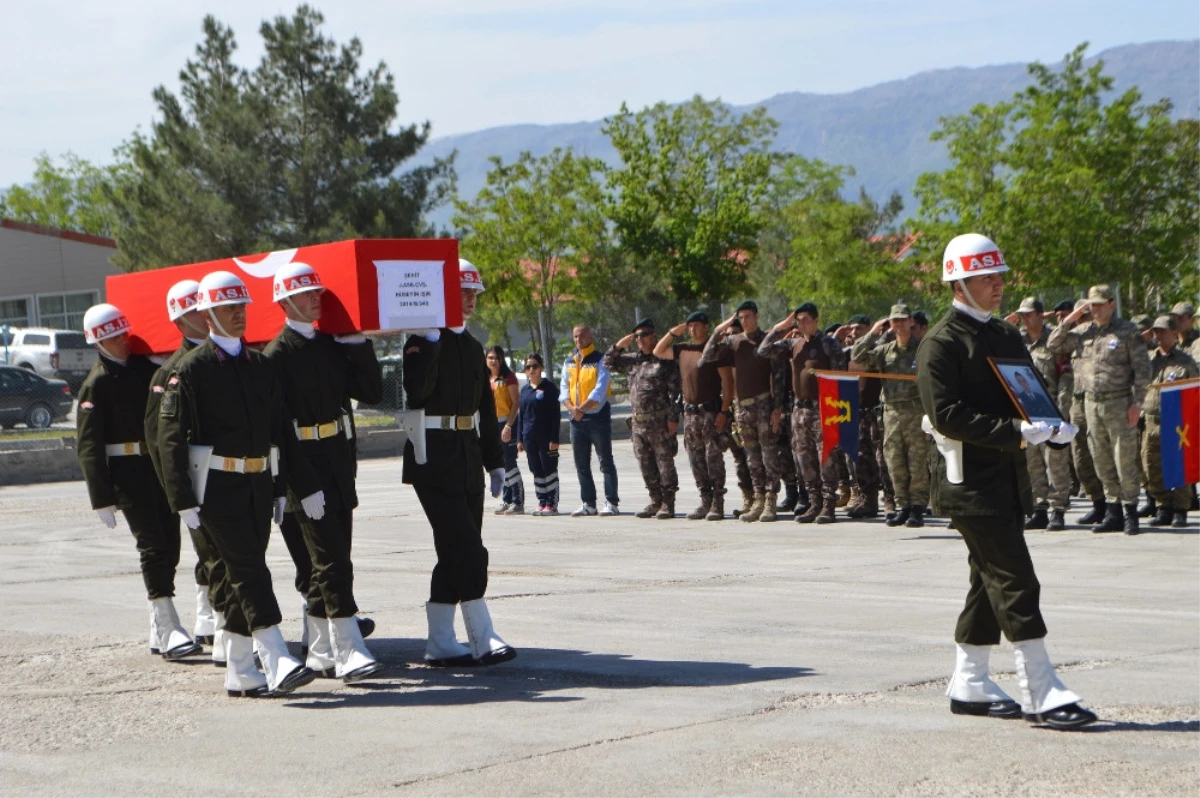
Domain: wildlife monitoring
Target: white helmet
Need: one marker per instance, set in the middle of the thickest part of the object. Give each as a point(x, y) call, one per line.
point(468, 276)
point(296, 278)
point(182, 298)
point(103, 321)
point(222, 288)
point(969, 255)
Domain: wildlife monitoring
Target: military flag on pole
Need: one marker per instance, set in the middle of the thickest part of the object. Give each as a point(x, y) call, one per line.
point(838, 406)
point(1180, 415)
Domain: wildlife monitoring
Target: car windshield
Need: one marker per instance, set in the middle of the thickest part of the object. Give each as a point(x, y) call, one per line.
point(71, 340)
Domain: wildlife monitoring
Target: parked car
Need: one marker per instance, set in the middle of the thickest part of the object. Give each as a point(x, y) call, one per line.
point(55, 354)
point(29, 398)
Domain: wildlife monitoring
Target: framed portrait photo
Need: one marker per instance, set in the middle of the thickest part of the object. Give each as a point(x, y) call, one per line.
point(1027, 390)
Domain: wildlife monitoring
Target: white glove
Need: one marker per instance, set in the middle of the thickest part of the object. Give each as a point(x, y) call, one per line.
point(497, 481)
point(1035, 433)
point(191, 517)
point(352, 338)
point(280, 503)
point(1065, 434)
point(314, 505)
point(108, 516)
point(432, 335)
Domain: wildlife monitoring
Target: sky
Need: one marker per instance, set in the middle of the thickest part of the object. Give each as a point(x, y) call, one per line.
point(77, 75)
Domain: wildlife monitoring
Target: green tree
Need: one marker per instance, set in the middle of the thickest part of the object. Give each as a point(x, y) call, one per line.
point(75, 195)
point(531, 230)
point(300, 150)
point(687, 198)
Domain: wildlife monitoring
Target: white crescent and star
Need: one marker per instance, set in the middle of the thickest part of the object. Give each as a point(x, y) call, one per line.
point(265, 269)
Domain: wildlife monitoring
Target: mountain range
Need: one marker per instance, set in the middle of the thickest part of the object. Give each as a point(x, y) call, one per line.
point(882, 131)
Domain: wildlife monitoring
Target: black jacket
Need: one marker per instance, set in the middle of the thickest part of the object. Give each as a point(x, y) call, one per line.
point(158, 384)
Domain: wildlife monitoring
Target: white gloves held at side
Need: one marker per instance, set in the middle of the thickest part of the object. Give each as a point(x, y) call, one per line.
point(108, 516)
point(191, 517)
point(497, 475)
point(277, 510)
point(314, 505)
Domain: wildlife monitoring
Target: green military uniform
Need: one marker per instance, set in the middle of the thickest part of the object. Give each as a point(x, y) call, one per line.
point(1049, 467)
point(1166, 367)
point(1073, 403)
point(904, 444)
point(320, 377)
point(111, 416)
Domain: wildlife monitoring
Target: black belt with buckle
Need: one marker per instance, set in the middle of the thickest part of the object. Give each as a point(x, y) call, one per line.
point(712, 406)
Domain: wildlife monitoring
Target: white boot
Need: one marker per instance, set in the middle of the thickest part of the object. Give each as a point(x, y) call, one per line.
point(1041, 691)
point(354, 661)
point(172, 641)
point(442, 649)
point(206, 625)
point(242, 679)
point(320, 647)
point(486, 646)
point(971, 689)
point(283, 671)
point(218, 647)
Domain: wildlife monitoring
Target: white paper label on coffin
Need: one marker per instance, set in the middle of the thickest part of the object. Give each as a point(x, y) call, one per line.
point(411, 294)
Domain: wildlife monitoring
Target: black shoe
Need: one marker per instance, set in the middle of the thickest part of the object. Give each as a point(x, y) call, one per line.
point(1163, 518)
point(1131, 520)
point(1038, 520)
point(1097, 513)
point(916, 517)
point(1180, 519)
point(253, 692)
point(1057, 521)
point(365, 626)
point(900, 518)
point(991, 709)
point(365, 672)
point(1114, 519)
point(503, 654)
point(1148, 509)
point(790, 497)
point(1072, 716)
point(297, 678)
point(181, 651)
point(465, 661)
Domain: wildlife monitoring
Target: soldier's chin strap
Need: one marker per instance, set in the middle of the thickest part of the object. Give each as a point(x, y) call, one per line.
point(303, 316)
point(201, 331)
point(971, 300)
point(104, 351)
point(221, 329)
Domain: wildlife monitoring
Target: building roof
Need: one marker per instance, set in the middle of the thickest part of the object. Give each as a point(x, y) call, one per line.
point(69, 235)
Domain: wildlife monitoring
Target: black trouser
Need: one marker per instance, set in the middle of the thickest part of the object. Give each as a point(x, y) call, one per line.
point(237, 516)
point(543, 464)
point(203, 556)
point(155, 531)
point(293, 538)
point(1004, 592)
point(331, 585)
point(457, 521)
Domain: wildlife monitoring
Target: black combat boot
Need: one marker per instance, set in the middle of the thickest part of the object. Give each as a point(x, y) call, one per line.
point(791, 495)
point(1038, 520)
point(916, 517)
point(1097, 513)
point(1057, 522)
point(802, 500)
point(900, 518)
point(1131, 519)
point(1164, 517)
point(1180, 519)
point(1114, 519)
point(1148, 509)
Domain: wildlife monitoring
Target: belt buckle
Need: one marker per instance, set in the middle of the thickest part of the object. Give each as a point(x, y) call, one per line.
point(448, 422)
point(307, 433)
point(464, 423)
point(327, 430)
point(229, 464)
point(255, 465)
point(130, 448)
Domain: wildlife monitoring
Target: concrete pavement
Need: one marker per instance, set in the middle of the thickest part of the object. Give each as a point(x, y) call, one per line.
point(656, 657)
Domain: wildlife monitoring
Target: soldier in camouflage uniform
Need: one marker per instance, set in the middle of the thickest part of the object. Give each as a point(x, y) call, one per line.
point(754, 411)
point(904, 445)
point(1117, 373)
point(1184, 314)
point(785, 400)
point(1169, 364)
point(1049, 467)
point(871, 471)
point(1073, 404)
point(707, 409)
point(654, 395)
point(799, 342)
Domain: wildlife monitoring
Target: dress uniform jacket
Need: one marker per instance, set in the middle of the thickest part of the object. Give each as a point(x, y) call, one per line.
point(158, 384)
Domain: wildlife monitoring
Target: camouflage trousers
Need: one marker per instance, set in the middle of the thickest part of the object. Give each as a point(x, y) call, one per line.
point(706, 451)
point(655, 448)
point(788, 473)
point(1175, 499)
point(820, 479)
point(872, 473)
point(1049, 475)
point(741, 466)
point(906, 453)
point(762, 449)
point(1114, 446)
point(1081, 453)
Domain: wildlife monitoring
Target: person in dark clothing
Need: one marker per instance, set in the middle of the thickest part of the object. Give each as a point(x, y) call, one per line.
point(506, 394)
point(320, 374)
point(454, 413)
point(224, 453)
point(538, 419)
point(119, 474)
point(983, 485)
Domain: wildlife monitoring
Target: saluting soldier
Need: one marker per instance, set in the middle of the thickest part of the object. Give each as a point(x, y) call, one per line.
point(446, 377)
point(1184, 314)
point(119, 474)
point(871, 473)
point(321, 373)
point(655, 397)
point(1169, 364)
point(707, 402)
point(181, 310)
point(985, 491)
point(1117, 373)
point(755, 415)
point(220, 419)
point(904, 445)
point(799, 341)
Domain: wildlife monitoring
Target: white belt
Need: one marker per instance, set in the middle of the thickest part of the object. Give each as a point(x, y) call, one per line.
point(121, 449)
point(321, 431)
point(461, 423)
point(239, 465)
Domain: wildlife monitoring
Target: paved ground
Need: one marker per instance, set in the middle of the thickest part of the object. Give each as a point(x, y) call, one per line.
point(657, 657)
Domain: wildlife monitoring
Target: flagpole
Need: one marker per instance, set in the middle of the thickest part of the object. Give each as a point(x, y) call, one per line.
point(1174, 383)
point(872, 374)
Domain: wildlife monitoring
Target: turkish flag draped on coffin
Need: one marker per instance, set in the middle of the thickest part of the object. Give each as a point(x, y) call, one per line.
point(371, 285)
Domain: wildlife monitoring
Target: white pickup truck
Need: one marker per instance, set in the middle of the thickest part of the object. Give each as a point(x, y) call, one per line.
point(55, 354)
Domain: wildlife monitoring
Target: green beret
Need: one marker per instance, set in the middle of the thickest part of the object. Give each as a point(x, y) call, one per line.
point(749, 304)
point(920, 317)
point(808, 307)
point(860, 318)
point(644, 324)
point(698, 315)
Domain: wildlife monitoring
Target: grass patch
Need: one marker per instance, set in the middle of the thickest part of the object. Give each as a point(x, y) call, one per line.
point(37, 434)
